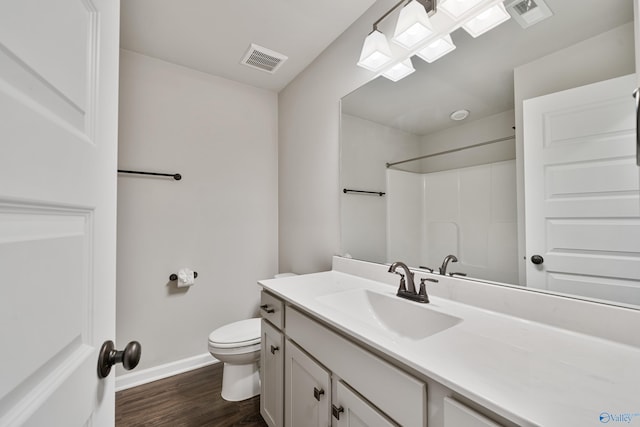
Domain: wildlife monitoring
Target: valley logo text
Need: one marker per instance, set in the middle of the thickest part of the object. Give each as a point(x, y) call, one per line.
point(622, 417)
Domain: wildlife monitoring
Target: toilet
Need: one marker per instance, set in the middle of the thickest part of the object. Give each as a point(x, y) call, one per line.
point(237, 345)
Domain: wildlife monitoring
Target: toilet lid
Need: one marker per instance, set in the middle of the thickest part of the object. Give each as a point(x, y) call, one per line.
point(237, 334)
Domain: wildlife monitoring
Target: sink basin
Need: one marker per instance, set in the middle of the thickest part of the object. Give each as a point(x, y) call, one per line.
point(392, 314)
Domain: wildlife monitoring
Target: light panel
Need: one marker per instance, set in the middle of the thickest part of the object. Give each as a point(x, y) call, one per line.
point(400, 70)
point(456, 8)
point(487, 20)
point(437, 49)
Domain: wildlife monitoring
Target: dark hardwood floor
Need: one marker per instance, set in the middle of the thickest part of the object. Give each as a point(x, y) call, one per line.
point(191, 399)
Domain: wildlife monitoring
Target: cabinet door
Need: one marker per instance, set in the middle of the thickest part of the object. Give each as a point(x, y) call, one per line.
point(636, 8)
point(350, 410)
point(456, 414)
point(307, 390)
point(271, 375)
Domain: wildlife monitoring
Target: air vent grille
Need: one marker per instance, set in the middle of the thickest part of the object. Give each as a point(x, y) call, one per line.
point(528, 12)
point(525, 6)
point(263, 59)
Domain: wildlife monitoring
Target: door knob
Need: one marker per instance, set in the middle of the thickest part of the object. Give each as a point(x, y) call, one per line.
point(109, 356)
point(537, 259)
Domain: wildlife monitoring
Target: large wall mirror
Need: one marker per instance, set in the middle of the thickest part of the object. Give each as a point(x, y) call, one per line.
point(515, 153)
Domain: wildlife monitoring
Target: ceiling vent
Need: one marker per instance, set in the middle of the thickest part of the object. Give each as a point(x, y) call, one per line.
point(263, 59)
point(528, 12)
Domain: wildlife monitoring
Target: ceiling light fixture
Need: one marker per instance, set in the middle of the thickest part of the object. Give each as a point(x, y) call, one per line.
point(459, 115)
point(418, 33)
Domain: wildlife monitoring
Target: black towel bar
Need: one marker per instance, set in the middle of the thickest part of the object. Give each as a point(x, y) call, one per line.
point(175, 176)
point(379, 193)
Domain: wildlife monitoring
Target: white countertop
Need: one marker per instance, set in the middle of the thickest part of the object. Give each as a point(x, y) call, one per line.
point(531, 373)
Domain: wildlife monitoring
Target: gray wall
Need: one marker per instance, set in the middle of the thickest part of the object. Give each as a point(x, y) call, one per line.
point(308, 150)
point(220, 219)
point(366, 147)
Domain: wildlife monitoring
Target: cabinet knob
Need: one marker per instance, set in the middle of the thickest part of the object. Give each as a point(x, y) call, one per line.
point(336, 411)
point(317, 393)
point(274, 349)
point(267, 308)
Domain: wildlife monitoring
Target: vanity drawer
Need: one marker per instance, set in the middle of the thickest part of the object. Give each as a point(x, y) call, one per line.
point(396, 393)
point(271, 309)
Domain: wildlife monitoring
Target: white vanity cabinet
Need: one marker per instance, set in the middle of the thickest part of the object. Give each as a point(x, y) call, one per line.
point(400, 396)
point(313, 375)
point(307, 390)
point(304, 361)
point(272, 360)
point(271, 375)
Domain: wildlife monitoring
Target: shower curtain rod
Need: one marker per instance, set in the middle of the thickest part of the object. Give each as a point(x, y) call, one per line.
point(480, 144)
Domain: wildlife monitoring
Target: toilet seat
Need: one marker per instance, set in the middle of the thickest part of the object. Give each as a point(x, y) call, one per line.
point(243, 333)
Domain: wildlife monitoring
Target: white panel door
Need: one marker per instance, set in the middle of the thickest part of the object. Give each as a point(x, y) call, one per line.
point(581, 191)
point(58, 144)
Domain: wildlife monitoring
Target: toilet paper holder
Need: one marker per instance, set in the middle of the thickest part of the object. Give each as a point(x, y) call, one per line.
point(174, 276)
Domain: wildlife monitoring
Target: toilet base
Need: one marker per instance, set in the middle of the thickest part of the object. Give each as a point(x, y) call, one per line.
point(240, 382)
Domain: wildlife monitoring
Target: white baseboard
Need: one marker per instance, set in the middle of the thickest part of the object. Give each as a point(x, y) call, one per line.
point(145, 376)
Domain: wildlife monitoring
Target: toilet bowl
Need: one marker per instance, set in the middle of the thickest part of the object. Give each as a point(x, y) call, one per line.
point(237, 345)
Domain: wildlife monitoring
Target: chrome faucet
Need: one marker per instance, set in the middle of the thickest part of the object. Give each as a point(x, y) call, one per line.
point(443, 267)
point(407, 289)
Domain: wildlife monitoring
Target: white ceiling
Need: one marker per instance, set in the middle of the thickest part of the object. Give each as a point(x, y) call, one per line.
point(212, 36)
point(478, 75)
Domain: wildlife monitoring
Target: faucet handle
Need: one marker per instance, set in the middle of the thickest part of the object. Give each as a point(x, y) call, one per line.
point(422, 293)
point(403, 285)
point(424, 267)
point(423, 288)
point(457, 274)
